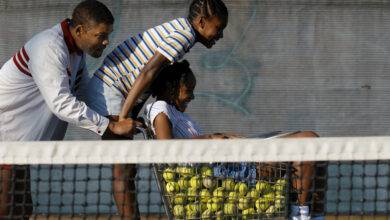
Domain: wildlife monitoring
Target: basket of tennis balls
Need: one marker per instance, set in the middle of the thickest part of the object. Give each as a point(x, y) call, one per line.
point(193, 192)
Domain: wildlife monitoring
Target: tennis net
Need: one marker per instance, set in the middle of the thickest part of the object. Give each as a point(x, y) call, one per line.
point(335, 178)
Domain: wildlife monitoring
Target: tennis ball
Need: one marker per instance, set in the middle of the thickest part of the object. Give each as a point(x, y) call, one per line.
point(280, 201)
point(190, 214)
point(270, 211)
point(205, 195)
point(206, 171)
point(218, 194)
point(241, 189)
point(253, 194)
point(270, 196)
point(188, 171)
point(206, 214)
point(195, 182)
point(183, 183)
point(178, 211)
point(213, 206)
point(229, 209)
point(219, 215)
point(192, 194)
point(180, 199)
point(263, 187)
point(228, 184)
point(209, 183)
point(203, 206)
point(280, 186)
point(169, 175)
point(172, 187)
point(248, 213)
point(262, 205)
point(193, 207)
point(185, 171)
point(232, 197)
point(243, 203)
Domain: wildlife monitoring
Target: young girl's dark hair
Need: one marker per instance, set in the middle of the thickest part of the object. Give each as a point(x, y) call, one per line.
point(207, 8)
point(168, 81)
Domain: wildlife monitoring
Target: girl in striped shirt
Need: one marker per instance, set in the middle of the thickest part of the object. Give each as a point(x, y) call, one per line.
point(118, 86)
point(173, 90)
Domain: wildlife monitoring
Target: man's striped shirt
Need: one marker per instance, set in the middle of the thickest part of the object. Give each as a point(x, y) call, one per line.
point(123, 65)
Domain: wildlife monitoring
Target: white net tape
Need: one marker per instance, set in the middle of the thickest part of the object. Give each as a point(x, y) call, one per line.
point(199, 151)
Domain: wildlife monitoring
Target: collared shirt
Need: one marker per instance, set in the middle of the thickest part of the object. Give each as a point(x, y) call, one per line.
point(182, 124)
point(38, 87)
point(123, 65)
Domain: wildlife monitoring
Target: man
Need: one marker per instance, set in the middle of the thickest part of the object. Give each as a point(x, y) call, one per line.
point(37, 93)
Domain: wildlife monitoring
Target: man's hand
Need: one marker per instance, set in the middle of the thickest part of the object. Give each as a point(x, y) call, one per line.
point(126, 127)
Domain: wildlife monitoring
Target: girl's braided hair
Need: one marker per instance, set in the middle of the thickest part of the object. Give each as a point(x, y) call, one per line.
point(207, 8)
point(167, 83)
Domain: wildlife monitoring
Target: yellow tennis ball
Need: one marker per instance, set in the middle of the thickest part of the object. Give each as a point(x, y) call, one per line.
point(193, 207)
point(219, 215)
point(229, 209)
point(228, 184)
point(262, 205)
point(191, 214)
point(209, 182)
point(280, 201)
point(213, 206)
point(172, 187)
point(206, 171)
point(185, 171)
point(243, 203)
point(248, 213)
point(180, 199)
point(195, 182)
point(206, 214)
point(189, 171)
point(263, 187)
point(270, 196)
point(192, 194)
point(183, 183)
point(232, 197)
point(169, 175)
point(178, 211)
point(270, 211)
point(253, 194)
point(203, 206)
point(205, 195)
point(241, 189)
point(280, 186)
point(219, 194)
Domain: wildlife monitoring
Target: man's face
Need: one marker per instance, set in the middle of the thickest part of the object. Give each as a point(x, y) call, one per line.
point(93, 38)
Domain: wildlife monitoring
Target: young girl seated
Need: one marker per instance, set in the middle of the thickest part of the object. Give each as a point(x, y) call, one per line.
point(174, 90)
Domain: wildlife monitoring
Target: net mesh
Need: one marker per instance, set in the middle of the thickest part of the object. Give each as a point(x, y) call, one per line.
point(178, 180)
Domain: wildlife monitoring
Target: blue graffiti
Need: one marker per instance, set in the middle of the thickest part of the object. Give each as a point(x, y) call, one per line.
point(220, 60)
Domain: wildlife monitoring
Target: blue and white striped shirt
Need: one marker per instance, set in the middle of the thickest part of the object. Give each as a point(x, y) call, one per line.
point(124, 64)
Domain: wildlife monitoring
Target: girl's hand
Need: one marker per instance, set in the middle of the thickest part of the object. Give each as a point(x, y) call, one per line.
point(225, 136)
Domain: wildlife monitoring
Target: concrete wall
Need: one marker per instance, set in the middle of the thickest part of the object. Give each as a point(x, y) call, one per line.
point(317, 65)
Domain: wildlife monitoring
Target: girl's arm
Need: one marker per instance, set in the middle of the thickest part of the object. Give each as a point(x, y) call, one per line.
point(143, 81)
point(162, 126)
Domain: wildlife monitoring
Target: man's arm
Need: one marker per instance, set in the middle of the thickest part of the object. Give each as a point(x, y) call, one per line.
point(48, 69)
